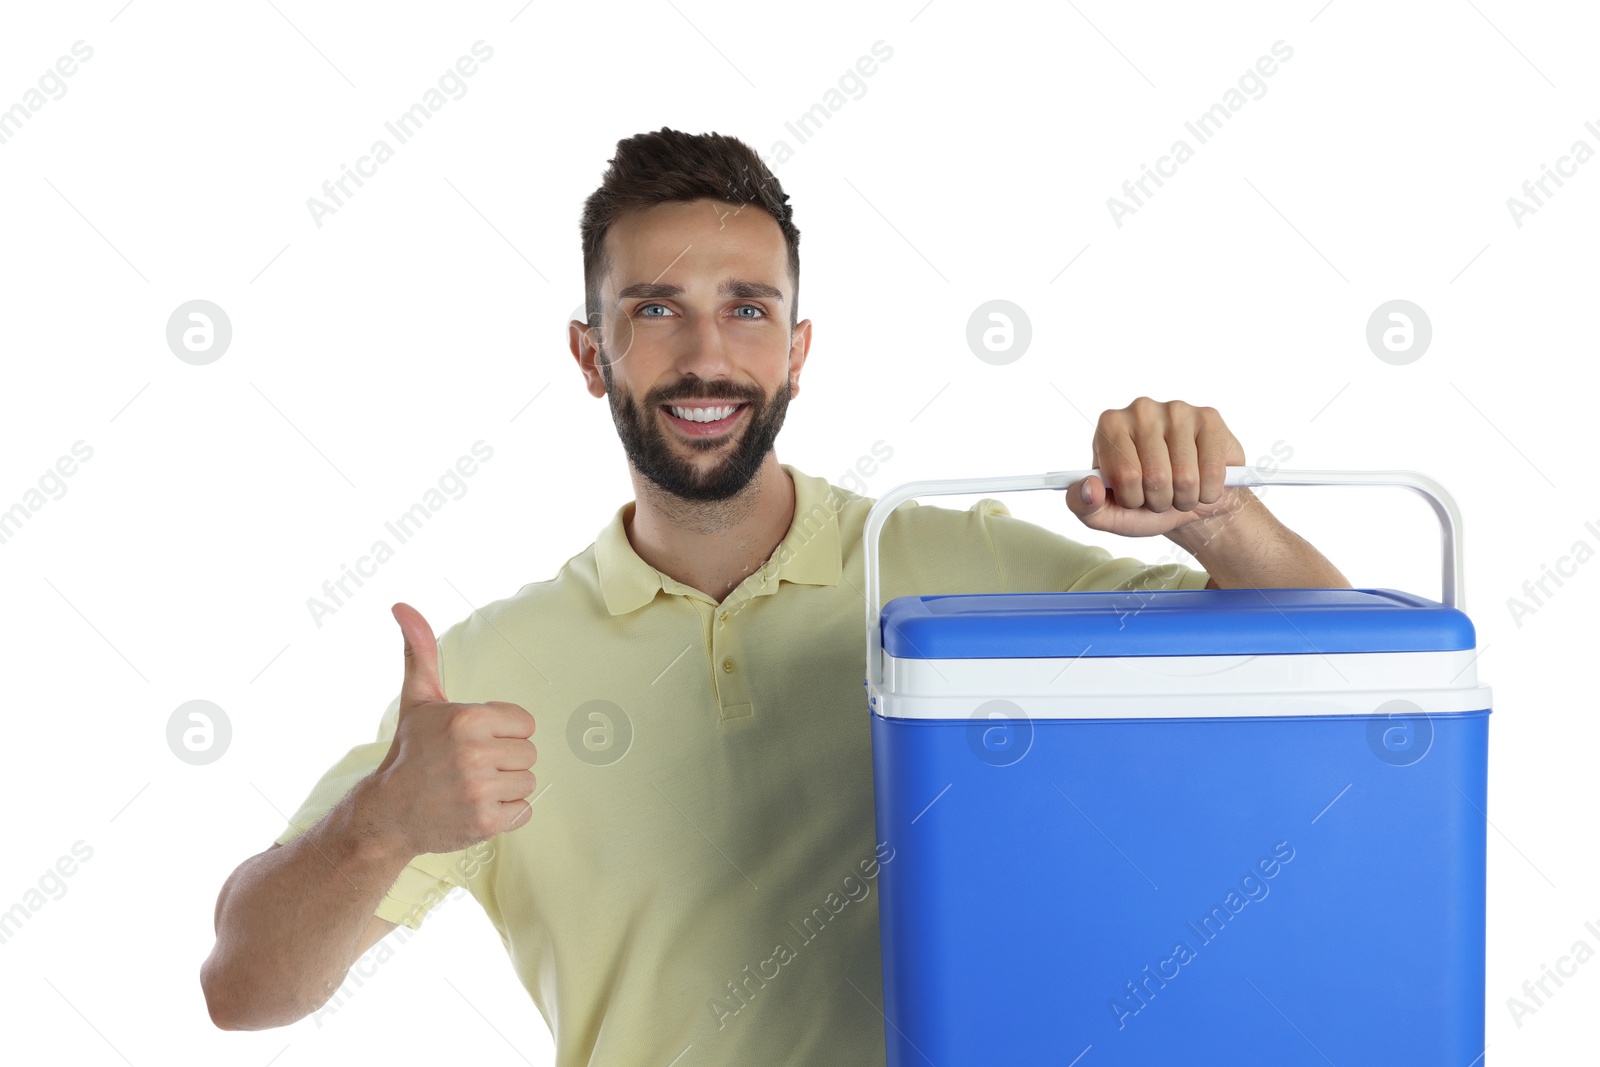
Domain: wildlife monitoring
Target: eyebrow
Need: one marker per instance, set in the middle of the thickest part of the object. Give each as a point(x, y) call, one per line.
point(730, 287)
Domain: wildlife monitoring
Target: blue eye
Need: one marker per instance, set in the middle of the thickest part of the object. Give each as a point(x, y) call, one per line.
point(640, 310)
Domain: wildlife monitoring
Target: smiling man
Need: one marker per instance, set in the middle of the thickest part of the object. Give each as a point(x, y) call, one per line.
point(695, 885)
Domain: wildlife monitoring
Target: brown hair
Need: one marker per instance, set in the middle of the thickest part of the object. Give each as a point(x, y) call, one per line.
point(670, 165)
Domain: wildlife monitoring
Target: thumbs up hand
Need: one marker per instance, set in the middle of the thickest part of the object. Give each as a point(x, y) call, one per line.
point(455, 774)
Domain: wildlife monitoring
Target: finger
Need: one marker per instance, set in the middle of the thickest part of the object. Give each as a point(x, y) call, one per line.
point(509, 720)
point(517, 812)
point(1076, 502)
point(513, 785)
point(1119, 466)
point(421, 685)
point(1081, 493)
point(1213, 449)
point(513, 755)
point(1155, 465)
point(1183, 456)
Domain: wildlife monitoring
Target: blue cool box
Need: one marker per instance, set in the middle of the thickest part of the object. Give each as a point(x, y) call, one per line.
point(1181, 827)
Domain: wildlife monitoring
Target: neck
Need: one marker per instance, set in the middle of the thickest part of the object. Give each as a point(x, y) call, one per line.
point(713, 545)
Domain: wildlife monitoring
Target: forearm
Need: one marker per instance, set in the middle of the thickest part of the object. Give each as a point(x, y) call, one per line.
point(1246, 546)
point(289, 921)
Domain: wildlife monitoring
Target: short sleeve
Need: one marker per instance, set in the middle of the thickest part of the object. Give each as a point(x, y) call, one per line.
point(428, 878)
point(1033, 559)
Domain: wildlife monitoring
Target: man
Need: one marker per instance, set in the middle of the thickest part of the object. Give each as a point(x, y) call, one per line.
point(695, 885)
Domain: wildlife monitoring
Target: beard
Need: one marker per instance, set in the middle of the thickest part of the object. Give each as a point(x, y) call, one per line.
point(645, 439)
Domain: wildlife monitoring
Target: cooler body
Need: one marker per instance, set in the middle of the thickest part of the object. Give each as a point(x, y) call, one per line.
point(1181, 827)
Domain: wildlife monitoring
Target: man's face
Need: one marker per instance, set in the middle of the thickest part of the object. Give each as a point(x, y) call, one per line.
point(695, 319)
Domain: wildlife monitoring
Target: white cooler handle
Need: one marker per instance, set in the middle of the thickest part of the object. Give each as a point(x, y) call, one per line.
point(1444, 506)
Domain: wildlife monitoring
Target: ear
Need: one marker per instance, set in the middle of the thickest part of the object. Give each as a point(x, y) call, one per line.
point(799, 348)
point(580, 339)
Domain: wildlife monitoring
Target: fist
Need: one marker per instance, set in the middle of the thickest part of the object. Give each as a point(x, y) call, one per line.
point(1162, 466)
point(455, 774)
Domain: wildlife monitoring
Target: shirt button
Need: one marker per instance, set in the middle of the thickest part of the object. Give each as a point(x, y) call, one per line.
point(723, 616)
point(727, 665)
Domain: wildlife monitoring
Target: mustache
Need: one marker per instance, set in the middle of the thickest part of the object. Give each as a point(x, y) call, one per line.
point(708, 394)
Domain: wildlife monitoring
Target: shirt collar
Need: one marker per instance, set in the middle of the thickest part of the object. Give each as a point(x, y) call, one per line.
point(809, 552)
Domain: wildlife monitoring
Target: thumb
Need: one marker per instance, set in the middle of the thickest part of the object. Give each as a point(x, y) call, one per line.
point(422, 658)
point(1084, 499)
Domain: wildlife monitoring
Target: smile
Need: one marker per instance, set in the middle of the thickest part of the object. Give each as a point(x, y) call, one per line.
point(699, 426)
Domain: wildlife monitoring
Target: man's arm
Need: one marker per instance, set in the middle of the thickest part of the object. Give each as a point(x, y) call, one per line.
point(1162, 467)
point(1247, 547)
point(292, 920)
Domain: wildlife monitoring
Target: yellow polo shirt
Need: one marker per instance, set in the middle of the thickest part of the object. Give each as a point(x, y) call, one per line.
point(696, 884)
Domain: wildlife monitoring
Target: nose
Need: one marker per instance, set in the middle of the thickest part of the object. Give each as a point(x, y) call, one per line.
point(704, 353)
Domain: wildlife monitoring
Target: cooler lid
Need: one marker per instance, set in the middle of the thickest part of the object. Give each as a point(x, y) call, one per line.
point(1170, 622)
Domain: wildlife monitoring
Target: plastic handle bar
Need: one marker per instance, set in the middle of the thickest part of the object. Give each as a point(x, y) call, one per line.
point(1444, 506)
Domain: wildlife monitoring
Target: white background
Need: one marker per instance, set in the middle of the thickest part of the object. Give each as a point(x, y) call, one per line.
point(430, 312)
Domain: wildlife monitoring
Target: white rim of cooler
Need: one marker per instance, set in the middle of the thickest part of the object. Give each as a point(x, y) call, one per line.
point(1177, 687)
point(1409, 702)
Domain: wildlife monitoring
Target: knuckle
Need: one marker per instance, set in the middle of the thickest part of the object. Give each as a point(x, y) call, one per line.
point(466, 718)
point(515, 712)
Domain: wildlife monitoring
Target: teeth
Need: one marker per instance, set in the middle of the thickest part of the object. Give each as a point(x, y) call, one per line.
point(703, 414)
